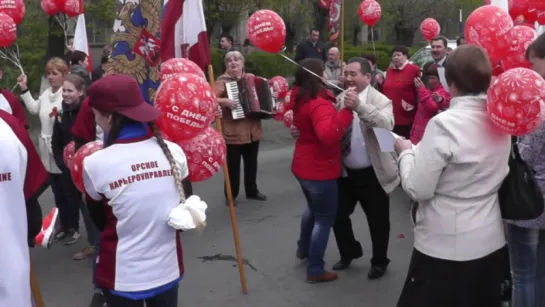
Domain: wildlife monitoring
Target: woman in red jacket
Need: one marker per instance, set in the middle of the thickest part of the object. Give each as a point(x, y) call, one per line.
point(317, 163)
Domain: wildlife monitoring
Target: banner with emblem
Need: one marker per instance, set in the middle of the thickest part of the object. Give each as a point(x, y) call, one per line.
point(136, 43)
point(334, 19)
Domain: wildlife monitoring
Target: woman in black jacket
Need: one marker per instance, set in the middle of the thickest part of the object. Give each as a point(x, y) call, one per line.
point(73, 95)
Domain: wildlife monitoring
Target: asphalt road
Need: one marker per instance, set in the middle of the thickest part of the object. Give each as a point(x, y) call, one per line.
point(268, 234)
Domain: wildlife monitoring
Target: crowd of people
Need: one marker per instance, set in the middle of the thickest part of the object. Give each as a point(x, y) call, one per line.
point(445, 158)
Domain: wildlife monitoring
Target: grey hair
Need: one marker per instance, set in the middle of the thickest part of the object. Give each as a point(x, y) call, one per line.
point(231, 54)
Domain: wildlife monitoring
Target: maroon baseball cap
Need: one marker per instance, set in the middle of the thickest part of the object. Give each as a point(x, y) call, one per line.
point(121, 94)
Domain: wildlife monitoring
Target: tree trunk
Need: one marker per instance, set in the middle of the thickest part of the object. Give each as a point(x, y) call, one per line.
point(56, 42)
point(321, 20)
point(404, 34)
point(356, 35)
point(226, 27)
point(291, 31)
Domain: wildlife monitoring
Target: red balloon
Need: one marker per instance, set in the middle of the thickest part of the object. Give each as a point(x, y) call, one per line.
point(531, 16)
point(280, 86)
point(516, 101)
point(68, 155)
point(485, 27)
point(288, 118)
point(180, 66)
point(497, 69)
point(188, 105)
point(324, 4)
point(280, 110)
point(77, 169)
point(266, 30)
point(430, 28)
point(50, 7)
point(60, 4)
point(518, 39)
point(8, 30)
point(73, 8)
point(518, 7)
point(205, 154)
point(541, 18)
point(13, 8)
point(537, 4)
point(370, 12)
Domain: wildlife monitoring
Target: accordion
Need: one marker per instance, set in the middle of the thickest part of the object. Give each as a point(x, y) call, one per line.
point(253, 97)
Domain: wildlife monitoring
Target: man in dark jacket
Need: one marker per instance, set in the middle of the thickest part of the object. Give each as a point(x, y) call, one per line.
point(438, 53)
point(311, 48)
point(79, 62)
point(98, 72)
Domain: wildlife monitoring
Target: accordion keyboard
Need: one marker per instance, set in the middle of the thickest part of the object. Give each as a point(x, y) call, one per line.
point(233, 94)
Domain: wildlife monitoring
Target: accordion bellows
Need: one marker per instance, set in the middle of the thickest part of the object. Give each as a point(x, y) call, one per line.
point(253, 97)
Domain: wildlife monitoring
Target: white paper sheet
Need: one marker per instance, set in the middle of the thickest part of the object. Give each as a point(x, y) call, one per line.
point(385, 139)
point(442, 79)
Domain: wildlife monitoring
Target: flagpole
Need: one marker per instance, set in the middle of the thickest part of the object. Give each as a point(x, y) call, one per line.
point(230, 201)
point(342, 37)
point(36, 294)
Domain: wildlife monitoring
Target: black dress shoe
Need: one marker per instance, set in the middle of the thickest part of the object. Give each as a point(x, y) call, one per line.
point(376, 272)
point(342, 265)
point(257, 196)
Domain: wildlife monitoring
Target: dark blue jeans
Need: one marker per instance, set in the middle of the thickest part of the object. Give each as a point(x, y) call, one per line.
point(527, 255)
point(67, 200)
point(168, 298)
point(316, 223)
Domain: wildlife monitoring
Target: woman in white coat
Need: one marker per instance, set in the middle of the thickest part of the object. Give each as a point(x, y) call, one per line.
point(48, 106)
point(454, 175)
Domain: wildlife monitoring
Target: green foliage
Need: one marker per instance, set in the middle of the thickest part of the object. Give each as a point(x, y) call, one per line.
point(32, 43)
point(33, 39)
point(259, 63)
point(269, 65)
point(382, 53)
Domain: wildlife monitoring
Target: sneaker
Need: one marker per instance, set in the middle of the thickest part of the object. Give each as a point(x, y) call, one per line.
point(45, 237)
point(60, 235)
point(71, 237)
point(98, 300)
point(326, 277)
point(87, 251)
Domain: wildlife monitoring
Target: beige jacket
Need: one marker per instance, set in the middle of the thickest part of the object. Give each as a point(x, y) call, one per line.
point(377, 113)
point(454, 173)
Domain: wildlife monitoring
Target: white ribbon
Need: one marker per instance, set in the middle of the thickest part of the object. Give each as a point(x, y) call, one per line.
point(182, 217)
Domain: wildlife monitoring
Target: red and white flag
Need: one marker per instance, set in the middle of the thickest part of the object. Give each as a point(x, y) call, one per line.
point(183, 32)
point(80, 40)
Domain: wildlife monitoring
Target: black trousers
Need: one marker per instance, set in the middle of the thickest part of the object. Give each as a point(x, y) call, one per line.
point(248, 153)
point(362, 186)
point(67, 199)
point(433, 282)
point(168, 298)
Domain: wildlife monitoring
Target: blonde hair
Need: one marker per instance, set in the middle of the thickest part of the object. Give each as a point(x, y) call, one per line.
point(176, 174)
point(234, 54)
point(56, 64)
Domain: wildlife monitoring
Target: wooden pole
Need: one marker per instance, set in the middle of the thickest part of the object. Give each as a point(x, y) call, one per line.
point(36, 294)
point(341, 35)
point(230, 201)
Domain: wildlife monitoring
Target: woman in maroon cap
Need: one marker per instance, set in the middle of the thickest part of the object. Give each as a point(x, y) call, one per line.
point(131, 187)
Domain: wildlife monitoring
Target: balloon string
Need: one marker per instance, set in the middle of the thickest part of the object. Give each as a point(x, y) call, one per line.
point(373, 41)
point(310, 72)
point(12, 55)
point(62, 20)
